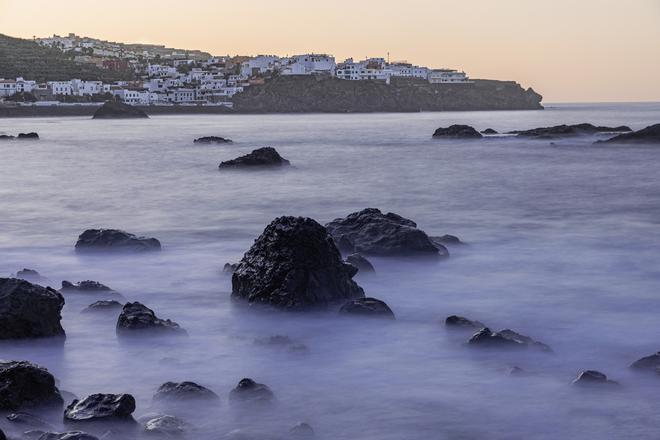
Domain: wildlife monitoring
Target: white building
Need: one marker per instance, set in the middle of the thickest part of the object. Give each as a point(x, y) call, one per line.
point(60, 87)
point(370, 69)
point(161, 71)
point(86, 88)
point(7, 87)
point(310, 64)
point(260, 64)
point(444, 76)
point(181, 96)
point(407, 70)
point(132, 97)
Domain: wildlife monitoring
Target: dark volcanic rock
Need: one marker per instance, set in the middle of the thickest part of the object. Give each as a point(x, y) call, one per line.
point(107, 240)
point(261, 157)
point(489, 131)
point(568, 130)
point(371, 307)
point(85, 286)
point(118, 110)
point(70, 435)
point(457, 131)
point(166, 426)
point(31, 135)
point(505, 339)
point(461, 322)
point(592, 377)
point(250, 392)
point(294, 264)
point(360, 262)
point(648, 135)
point(101, 407)
point(103, 306)
point(136, 318)
point(648, 363)
point(372, 232)
point(212, 140)
point(28, 310)
point(178, 391)
point(6, 137)
point(25, 385)
point(446, 240)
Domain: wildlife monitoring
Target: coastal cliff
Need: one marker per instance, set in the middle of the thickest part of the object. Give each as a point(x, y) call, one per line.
point(306, 94)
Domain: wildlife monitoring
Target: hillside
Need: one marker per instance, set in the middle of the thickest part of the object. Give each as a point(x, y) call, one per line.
point(26, 58)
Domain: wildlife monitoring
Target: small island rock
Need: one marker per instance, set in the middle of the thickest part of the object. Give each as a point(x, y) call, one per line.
point(261, 157)
point(489, 131)
point(457, 131)
point(136, 318)
point(251, 392)
point(564, 130)
point(114, 109)
point(212, 140)
point(110, 240)
point(461, 322)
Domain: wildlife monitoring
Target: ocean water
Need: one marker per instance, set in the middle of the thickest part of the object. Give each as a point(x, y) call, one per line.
point(562, 245)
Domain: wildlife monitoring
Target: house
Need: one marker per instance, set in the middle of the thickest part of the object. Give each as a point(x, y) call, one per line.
point(310, 64)
point(260, 64)
point(407, 70)
point(370, 69)
point(444, 76)
point(86, 88)
point(60, 87)
point(7, 87)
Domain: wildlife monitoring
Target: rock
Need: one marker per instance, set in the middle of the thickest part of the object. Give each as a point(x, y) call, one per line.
point(166, 426)
point(30, 135)
point(118, 110)
point(25, 419)
point(2, 434)
point(25, 385)
point(250, 392)
point(183, 391)
point(648, 135)
point(568, 130)
point(136, 318)
point(70, 435)
point(6, 137)
point(261, 157)
point(28, 310)
point(294, 264)
point(361, 263)
point(446, 239)
point(461, 322)
point(373, 233)
point(648, 363)
point(505, 339)
point(489, 131)
point(212, 140)
point(85, 286)
point(457, 131)
point(106, 240)
point(371, 307)
point(31, 275)
point(229, 268)
point(593, 377)
point(301, 431)
point(101, 407)
point(517, 371)
point(103, 306)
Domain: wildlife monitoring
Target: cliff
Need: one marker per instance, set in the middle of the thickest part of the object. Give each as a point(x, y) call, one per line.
point(305, 94)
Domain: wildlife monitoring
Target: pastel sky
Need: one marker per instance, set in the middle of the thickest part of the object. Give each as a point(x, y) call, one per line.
point(567, 50)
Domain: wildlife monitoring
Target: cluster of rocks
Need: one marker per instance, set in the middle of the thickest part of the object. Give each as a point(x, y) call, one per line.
point(564, 130)
point(212, 140)
point(23, 136)
point(260, 158)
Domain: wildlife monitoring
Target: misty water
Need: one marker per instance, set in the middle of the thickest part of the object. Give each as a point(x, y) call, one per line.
point(562, 246)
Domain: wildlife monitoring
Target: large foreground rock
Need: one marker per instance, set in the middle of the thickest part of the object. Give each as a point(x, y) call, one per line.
point(25, 385)
point(101, 407)
point(457, 131)
point(370, 307)
point(648, 135)
point(118, 110)
point(261, 157)
point(568, 130)
point(294, 264)
point(114, 240)
point(136, 318)
point(374, 233)
point(183, 391)
point(28, 310)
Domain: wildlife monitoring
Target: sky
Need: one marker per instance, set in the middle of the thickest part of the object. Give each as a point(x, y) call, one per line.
point(567, 50)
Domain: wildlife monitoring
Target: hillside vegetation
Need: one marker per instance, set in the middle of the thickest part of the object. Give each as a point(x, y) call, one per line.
point(19, 57)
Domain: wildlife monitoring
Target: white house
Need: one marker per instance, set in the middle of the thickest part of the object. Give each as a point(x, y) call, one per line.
point(370, 69)
point(132, 97)
point(407, 70)
point(83, 88)
point(60, 87)
point(443, 76)
point(7, 87)
point(161, 71)
point(310, 64)
point(260, 64)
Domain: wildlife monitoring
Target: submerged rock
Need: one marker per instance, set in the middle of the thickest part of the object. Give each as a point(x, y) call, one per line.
point(26, 385)
point(261, 157)
point(178, 391)
point(505, 339)
point(371, 307)
point(30, 135)
point(294, 264)
point(461, 322)
point(446, 239)
point(301, 431)
point(648, 363)
point(85, 286)
point(136, 319)
point(107, 240)
point(69, 435)
point(212, 140)
point(101, 407)
point(166, 426)
point(250, 392)
point(568, 130)
point(648, 135)
point(118, 110)
point(373, 233)
point(103, 306)
point(593, 377)
point(28, 310)
point(457, 131)
point(489, 131)
point(361, 263)
point(31, 275)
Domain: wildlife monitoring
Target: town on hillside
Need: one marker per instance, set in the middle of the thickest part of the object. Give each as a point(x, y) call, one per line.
point(164, 76)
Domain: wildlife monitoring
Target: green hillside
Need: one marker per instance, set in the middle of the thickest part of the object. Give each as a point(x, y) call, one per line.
point(26, 58)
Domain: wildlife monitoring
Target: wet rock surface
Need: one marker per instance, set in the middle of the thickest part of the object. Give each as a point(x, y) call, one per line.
point(489, 131)
point(455, 321)
point(114, 240)
point(69, 435)
point(31, 135)
point(29, 310)
point(259, 158)
point(103, 306)
point(250, 392)
point(183, 391)
point(564, 130)
point(505, 339)
point(294, 264)
point(648, 363)
point(457, 131)
point(648, 135)
point(363, 265)
point(118, 110)
point(101, 407)
point(593, 378)
point(369, 307)
point(31, 275)
point(212, 140)
point(166, 426)
point(85, 286)
point(26, 385)
point(446, 240)
point(371, 232)
point(137, 319)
